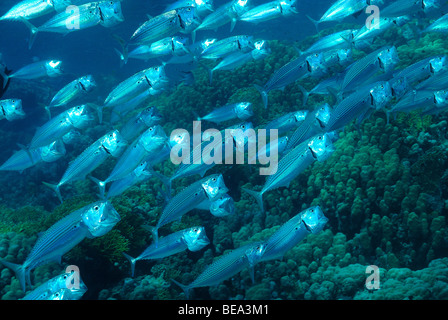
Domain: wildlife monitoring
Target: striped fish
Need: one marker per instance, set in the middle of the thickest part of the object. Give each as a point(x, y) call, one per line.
point(193, 239)
point(71, 91)
point(289, 73)
point(313, 123)
point(77, 117)
point(440, 25)
point(309, 221)
point(423, 69)
point(24, 159)
point(92, 220)
point(111, 144)
point(358, 103)
point(383, 59)
point(188, 199)
point(226, 266)
point(148, 144)
point(293, 163)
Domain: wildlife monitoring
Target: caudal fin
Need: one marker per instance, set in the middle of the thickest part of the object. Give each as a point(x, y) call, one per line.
point(305, 93)
point(33, 31)
point(315, 22)
point(186, 289)
point(264, 95)
point(258, 195)
point(19, 271)
point(55, 188)
point(101, 186)
point(132, 261)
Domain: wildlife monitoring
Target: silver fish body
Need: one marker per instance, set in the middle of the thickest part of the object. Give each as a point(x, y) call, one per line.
point(137, 124)
point(226, 266)
point(313, 123)
point(209, 187)
point(148, 143)
point(344, 8)
point(222, 206)
point(427, 101)
point(73, 90)
point(48, 68)
point(77, 117)
point(337, 40)
point(291, 72)
point(269, 11)
point(87, 16)
point(437, 82)
point(29, 9)
point(137, 176)
point(111, 144)
point(182, 20)
point(241, 111)
point(202, 7)
point(423, 69)
point(217, 18)
point(287, 122)
point(440, 25)
point(24, 159)
point(383, 59)
point(402, 7)
point(309, 221)
point(193, 239)
point(278, 146)
point(358, 103)
point(226, 46)
point(293, 163)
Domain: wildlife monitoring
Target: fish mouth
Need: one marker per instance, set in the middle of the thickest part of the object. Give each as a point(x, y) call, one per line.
point(307, 227)
point(314, 154)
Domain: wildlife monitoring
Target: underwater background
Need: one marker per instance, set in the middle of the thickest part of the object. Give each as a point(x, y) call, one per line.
point(384, 190)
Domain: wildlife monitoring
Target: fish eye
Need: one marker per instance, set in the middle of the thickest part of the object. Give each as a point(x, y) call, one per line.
point(96, 208)
point(111, 135)
point(311, 210)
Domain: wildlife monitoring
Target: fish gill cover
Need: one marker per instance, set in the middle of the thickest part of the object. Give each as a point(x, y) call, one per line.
point(253, 150)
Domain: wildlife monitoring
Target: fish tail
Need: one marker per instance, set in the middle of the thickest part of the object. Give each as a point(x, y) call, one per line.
point(305, 93)
point(33, 31)
point(155, 234)
point(5, 78)
point(120, 54)
point(99, 109)
point(186, 289)
point(27, 150)
point(258, 195)
point(315, 22)
point(55, 188)
point(48, 110)
point(101, 186)
point(132, 261)
point(193, 36)
point(264, 95)
point(232, 24)
point(19, 271)
point(210, 76)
